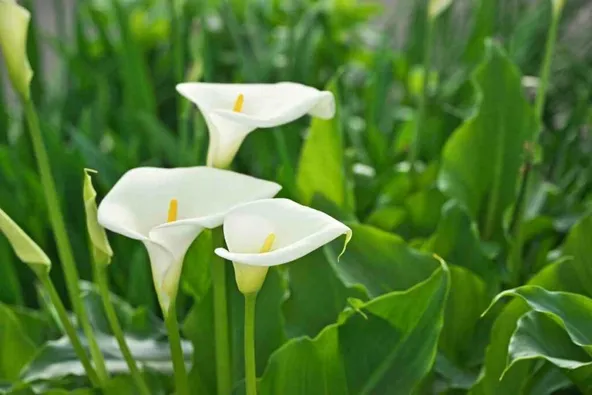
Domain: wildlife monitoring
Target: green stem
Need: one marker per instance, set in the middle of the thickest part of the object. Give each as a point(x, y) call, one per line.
point(421, 112)
point(250, 366)
point(179, 74)
point(69, 329)
point(172, 325)
point(61, 236)
point(539, 103)
point(100, 274)
point(515, 258)
point(220, 317)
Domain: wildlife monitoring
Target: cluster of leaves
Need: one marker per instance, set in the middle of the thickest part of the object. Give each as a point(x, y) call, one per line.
point(388, 318)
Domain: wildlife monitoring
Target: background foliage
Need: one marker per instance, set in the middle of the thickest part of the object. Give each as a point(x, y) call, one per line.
point(387, 318)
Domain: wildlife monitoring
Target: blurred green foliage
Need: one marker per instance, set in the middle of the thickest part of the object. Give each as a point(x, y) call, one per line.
point(112, 106)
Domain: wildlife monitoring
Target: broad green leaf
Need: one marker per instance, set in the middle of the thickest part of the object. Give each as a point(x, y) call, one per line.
point(321, 167)
point(559, 275)
point(457, 341)
point(343, 359)
point(482, 158)
point(562, 275)
point(101, 249)
point(25, 248)
point(538, 335)
point(484, 26)
point(317, 295)
point(11, 291)
point(572, 310)
point(578, 247)
point(436, 7)
point(17, 348)
point(196, 277)
point(14, 23)
point(457, 241)
point(381, 262)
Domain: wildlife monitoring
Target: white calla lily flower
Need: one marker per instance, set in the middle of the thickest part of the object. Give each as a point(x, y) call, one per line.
point(272, 232)
point(232, 111)
point(166, 209)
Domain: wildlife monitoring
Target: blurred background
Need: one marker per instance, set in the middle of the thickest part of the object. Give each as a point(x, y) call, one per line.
point(105, 75)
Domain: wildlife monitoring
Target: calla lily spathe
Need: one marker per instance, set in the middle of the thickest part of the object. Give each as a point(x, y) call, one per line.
point(272, 232)
point(24, 247)
point(232, 111)
point(138, 207)
point(14, 23)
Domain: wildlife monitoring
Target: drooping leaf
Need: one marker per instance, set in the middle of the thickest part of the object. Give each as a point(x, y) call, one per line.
point(482, 159)
point(559, 275)
point(405, 327)
point(563, 275)
point(571, 310)
point(538, 335)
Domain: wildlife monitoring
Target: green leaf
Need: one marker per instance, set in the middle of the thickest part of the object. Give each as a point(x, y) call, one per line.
point(343, 359)
point(457, 241)
point(24, 247)
point(538, 335)
point(483, 27)
point(317, 295)
point(572, 310)
point(381, 262)
point(482, 158)
point(578, 247)
point(101, 249)
point(17, 348)
point(323, 149)
point(457, 341)
point(559, 275)
point(563, 275)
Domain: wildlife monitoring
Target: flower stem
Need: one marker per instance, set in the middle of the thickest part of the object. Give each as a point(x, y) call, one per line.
point(539, 103)
point(61, 236)
point(69, 329)
point(172, 325)
point(101, 279)
point(250, 367)
point(220, 317)
point(421, 111)
point(179, 76)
